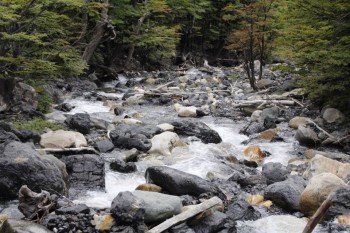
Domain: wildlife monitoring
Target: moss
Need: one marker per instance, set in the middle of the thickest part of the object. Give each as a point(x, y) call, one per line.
point(284, 68)
point(233, 76)
point(38, 125)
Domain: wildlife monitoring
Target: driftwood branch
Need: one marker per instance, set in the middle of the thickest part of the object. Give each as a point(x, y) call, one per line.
point(249, 103)
point(180, 218)
point(318, 127)
point(321, 211)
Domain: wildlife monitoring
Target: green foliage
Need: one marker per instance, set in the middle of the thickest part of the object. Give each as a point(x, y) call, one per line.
point(36, 37)
point(44, 102)
point(315, 34)
point(284, 68)
point(233, 76)
point(38, 125)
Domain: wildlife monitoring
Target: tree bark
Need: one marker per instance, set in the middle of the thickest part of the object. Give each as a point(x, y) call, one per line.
point(98, 33)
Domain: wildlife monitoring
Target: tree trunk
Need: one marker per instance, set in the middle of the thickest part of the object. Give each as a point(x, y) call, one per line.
point(137, 32)
point(98, 33)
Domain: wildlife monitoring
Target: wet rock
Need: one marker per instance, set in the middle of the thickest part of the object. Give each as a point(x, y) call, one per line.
point(163, 144)
point(149, 188)
point(123, 167)
point(212, 223)
point(7, 137)
point(65, 107)
point(252, 128)
point(251, 180)
point(134, 136)
point(344, 220)
point(286, 193)
point(80, 122)
point(62, 139)
point(23, 226)
point(27, 135)
point(104, 146)
point(21, 164)
point(5, 227)
point(158, 206)
point(166, 127)
point(274, 172)
point(317, 190)
point(141, 206)
point(197, 129)
point(320, 164)
point(104, 223)
point(269, 113)
point(242, 210)
point(340, 203)
point(306, 136)
point(75, 209)
point(296, 121)
point(255, 115)
point(85, 171)
point(183, 111)
point(268, 135)
point(333, 115)
point(254, 153)
point(179, 183)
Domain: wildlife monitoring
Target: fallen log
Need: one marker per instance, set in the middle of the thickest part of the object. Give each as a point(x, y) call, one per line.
point(249, 103)
point(192, 212)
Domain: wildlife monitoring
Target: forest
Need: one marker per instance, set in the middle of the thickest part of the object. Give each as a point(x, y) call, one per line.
point(63, 38)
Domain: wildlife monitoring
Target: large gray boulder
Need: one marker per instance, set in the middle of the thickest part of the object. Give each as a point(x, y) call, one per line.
point(141, 206)
point(197, 129)
point(179, 183)
point(134, 136)
point(286, 193)
point(62, 139)
point(85, 171)
point(20, 164)
point(306, 136)
point(80, 122)
point(333, 115)
point(158, 206)
point(274, 172)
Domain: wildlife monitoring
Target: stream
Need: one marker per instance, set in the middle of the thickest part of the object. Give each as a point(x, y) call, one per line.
point(197, 158)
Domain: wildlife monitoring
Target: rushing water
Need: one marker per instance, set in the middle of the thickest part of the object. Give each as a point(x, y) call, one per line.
point(197, 158)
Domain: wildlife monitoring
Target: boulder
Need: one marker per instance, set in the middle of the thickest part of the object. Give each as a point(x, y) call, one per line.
point(317, 190)
point(342, 157)
point(264, 83)
point(7, 137)
point(123, 167)
point(197, 129)
point(21, 164)
point(212, 223)
point(27, 135)
point(252, 128)
point(268, 135)
point(296, 121)
point(24, 226)
point(104, 146)
point(242, 210)
point(134, 136)
point(254, 153)
point(159, 206)
point(163, 144)
point(73, 209)
point(274, 172)
point(340, 203)
point(65, 107)
point(24, 93)
point(255, 115)
point(149, 188)
point(269, 113)
point(62, 139)
point(86, 171)
point(183, 111)
point(286, 193)
point(320, 164)
point(333, 115)
point(80, 122)
point(140, 206)
point(306, 136)
point(179, 183)
point(166, 127)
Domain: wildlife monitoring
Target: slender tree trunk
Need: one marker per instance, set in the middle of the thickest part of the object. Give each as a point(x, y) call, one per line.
point(98, 33)
point(137, 32)
point(251, 56)
point(262, 53)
